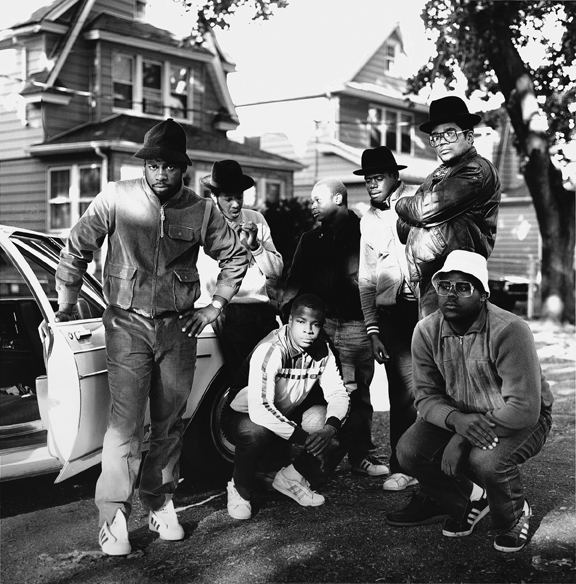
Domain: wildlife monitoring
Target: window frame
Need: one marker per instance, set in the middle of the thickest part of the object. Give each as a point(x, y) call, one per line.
point(165, 92)
point(75, 198)
point(382, 128)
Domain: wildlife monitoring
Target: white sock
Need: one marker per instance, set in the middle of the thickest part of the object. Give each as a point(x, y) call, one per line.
point(291, 473)
point(477, 492)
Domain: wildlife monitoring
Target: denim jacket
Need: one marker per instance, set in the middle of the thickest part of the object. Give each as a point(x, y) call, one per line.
point(150, 265)
point(455, 208)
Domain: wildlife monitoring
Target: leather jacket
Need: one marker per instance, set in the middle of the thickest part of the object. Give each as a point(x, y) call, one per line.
point(455, 208)
point(152, 249)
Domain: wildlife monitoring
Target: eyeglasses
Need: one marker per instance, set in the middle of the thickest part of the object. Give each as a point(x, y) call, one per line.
point(462, 289)
point(449, 135)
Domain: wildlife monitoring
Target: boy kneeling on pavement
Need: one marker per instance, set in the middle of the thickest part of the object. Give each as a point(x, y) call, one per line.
point(484, 408)
point(291, 370)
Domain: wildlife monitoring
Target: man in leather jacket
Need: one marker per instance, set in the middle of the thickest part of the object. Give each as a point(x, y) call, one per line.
point(457, 205)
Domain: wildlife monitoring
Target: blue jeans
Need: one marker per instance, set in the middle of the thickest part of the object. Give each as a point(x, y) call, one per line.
point(149, 360)
point(420, 452)
point(396, 324)
point(354, 354)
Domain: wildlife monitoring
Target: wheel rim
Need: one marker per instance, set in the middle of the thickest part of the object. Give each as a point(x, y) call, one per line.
point(218, 423)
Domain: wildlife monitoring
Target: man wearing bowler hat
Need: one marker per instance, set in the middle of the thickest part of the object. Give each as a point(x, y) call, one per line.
point(155, 227)
point(388, 303)
point(250, 316)
point(457, 205)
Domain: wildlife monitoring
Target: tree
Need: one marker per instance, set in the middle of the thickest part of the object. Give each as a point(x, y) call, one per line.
point(484, 39)
point(216, 13)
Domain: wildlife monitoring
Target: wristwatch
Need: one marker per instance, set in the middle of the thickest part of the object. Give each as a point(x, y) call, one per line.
point(217, 304)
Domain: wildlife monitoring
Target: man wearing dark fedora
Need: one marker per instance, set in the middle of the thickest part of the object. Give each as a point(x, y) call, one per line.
point(457, 205)
point(388, 303)
point(250, 316)
point(155, 227)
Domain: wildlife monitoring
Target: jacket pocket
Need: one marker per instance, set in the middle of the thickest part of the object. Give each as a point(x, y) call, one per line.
point(120, 281)
point(181, 232)
point(186, 288)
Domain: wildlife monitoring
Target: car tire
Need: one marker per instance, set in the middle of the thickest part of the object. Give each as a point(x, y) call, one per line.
point(207, 450)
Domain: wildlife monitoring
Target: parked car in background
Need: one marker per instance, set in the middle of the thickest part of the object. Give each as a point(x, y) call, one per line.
point(54, 397)
point(506, 291)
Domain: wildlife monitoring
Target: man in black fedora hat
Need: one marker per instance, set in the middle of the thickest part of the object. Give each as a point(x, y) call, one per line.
point(388, 303)
point(250, 316)
point(457, 205)
point(155, 227)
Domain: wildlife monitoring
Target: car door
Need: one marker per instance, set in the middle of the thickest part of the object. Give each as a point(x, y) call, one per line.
point(74, 398)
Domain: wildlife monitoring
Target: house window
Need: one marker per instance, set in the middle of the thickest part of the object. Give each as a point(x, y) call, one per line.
point(390, 56)
point(71, 190)
point(123, 81)
point(273, 191)
point(158, 88)
point(152, 88)
point(390, 128)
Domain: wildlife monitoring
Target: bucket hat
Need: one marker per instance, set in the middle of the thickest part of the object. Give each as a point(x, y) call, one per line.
point(165, 141)
point(375, 160)
point(227, 176)
point(467, 262)
point(449, 109)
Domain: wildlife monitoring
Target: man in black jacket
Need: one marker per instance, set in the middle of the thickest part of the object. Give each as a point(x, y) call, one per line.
point(326, 264)
point(457, 205)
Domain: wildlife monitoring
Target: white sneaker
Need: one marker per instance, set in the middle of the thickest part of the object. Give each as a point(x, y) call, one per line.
point(238, 507)
point(398, 482)
point(299, 490)
point(114, 537)
point(165, 522)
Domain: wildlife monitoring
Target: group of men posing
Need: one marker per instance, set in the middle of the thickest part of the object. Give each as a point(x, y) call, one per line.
point(406, 285)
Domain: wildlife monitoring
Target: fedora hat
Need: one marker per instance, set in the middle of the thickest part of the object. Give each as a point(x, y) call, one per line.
point(165, 141)
point(449, 109)
point(227, 176)
point(467, 262)
point(375, 160)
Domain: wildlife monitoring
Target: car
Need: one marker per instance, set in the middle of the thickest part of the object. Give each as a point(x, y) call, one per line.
point(54, 397)
point(506, 291)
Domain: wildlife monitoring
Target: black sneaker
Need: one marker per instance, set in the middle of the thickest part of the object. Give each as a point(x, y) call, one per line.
point(474, 512)
point(515, 539)
point(422, 510)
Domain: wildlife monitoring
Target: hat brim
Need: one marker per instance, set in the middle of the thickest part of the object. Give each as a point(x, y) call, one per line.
point(246, 183)
point(157, 153)
point(464, 119)
point(377, 169)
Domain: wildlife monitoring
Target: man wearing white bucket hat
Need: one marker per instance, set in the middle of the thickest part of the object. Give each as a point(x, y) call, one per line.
point(484, 409)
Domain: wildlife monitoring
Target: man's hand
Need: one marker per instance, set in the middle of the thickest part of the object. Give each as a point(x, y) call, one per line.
point(317, 442)
point(196, 320)
point(455, 453)
point(474, 427)
point(248, 235)
point(64, 313)
point(379, 351)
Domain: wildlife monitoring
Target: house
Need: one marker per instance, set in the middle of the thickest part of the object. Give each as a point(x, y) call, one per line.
point(349, 96)
point(81, 82)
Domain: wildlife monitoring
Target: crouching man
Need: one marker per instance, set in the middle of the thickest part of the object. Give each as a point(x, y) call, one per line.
point(484, 409)
point(292, 369)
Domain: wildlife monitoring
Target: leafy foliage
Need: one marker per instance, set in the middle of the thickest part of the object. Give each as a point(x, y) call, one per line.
point(467, 32)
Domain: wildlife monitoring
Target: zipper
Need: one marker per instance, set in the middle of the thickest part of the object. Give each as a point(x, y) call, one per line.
point(162, 218)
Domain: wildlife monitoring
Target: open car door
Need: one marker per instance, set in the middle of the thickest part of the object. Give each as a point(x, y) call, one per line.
point(73, 397)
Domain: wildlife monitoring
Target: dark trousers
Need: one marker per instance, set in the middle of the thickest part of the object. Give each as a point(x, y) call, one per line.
point(255, 444)
point(421, 449)
point(396, 325)
point(240, 327)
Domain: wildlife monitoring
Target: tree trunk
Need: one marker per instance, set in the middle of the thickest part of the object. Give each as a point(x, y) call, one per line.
point(554, 205)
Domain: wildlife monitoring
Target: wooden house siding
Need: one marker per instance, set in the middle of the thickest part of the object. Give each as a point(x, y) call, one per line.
point(123, 8)
point(517, 240)
point(23, 194)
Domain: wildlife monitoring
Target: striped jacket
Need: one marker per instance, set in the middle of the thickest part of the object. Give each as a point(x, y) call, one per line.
point(280, 377)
